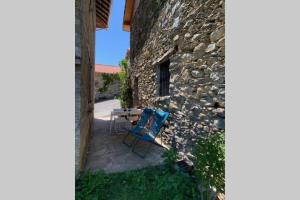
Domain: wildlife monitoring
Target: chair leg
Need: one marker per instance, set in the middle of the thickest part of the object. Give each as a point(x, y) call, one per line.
point(128, 144)
point(124, 139)
point(133, 143)
point(139, 154)
point(110, 125)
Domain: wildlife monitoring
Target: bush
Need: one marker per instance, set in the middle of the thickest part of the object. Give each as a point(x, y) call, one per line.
point(107, 80)
point(210, 161)
point(90, 185)
point(126, 93)
point(170, 158)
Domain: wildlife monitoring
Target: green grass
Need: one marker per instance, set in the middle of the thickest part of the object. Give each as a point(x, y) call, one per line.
point(152, 183)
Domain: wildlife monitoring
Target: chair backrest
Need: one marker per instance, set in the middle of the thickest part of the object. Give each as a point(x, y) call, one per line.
point(160, 118)
point(146, 114)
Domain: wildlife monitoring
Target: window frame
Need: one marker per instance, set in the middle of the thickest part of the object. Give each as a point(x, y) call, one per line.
point(164, 78)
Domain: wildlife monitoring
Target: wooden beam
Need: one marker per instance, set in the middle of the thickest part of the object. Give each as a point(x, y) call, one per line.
point(99, 15)
point(103, 12)
point(106, 4)
point(100, 4)
point(100, 24)
point(128, 12)
point(99, 20)
point(106, 12)
point(126, 23)
point(102, 17)
point(126, 27)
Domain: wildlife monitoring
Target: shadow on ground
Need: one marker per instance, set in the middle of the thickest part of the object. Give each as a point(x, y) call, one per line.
point(107, 152)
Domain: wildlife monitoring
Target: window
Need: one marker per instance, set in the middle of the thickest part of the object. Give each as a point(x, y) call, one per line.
point(136, 91)
point(164, 78)
point(136, 85)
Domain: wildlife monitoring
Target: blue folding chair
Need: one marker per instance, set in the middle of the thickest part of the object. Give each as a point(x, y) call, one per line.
point(147, 128)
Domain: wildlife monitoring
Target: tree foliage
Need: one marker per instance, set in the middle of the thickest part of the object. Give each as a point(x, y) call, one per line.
point(126, 93)
point(107, 80)
point(210, 161)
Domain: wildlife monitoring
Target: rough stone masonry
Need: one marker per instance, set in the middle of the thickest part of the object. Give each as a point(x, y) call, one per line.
point(84, 77)
point(190, 34)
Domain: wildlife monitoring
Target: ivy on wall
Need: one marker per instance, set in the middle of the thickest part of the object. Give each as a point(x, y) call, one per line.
point(126, 92)
point(125, 89)
point(108, 79)
point(210, 161)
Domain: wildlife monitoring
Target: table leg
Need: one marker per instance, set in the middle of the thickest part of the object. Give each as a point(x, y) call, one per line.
point(110, 123)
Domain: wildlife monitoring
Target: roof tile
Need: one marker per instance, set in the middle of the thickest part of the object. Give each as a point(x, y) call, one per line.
point(108, 69)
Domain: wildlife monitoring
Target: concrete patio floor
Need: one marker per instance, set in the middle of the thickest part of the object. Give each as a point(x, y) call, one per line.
point(107, 152)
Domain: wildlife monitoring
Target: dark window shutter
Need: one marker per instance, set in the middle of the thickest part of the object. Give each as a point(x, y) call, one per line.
point(164, 80)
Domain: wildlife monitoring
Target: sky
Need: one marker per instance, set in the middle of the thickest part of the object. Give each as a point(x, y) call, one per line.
point(112, 44)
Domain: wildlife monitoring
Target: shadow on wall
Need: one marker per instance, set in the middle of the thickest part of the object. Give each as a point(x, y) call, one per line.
point(153, 8)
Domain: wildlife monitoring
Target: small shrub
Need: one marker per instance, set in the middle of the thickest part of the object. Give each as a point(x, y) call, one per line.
point(90, 185)
point(126, 93)
point(107, 80)
point(210, 161)
point(170, 158)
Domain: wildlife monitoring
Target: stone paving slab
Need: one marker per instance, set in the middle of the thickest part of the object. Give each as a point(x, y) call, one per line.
point(107, 152)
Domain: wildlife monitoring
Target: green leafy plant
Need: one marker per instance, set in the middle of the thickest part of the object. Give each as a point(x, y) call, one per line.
point(90, 185)
point(210, 161)
point(126, 93)
point(107, 80)
point(170, 157)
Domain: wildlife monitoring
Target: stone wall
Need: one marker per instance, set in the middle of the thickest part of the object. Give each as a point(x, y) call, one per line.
point(84, 76)
point(77, 84)
point(113, 89)
point(77, 116)
point(190, 34)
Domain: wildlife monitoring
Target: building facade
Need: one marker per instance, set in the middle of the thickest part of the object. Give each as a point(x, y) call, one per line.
point(89, 15)
point(107, 85)
point(177, 63)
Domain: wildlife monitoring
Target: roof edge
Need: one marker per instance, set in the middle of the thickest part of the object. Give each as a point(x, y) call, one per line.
point(128, 13)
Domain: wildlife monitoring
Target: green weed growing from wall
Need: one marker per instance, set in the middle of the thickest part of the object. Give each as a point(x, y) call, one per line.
point(108, 79)
point(126, 93)
point(210, 161)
